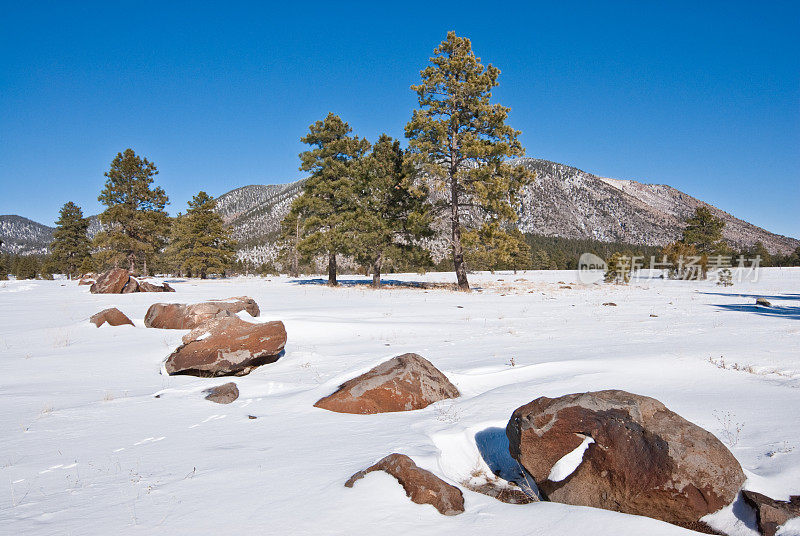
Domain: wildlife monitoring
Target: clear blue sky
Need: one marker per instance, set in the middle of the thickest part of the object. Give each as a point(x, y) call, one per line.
point(702, 96)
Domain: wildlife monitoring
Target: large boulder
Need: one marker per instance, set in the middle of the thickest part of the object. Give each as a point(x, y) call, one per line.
point(403, 383)
point(639, 458)
point(183, 316)
point(771, 514)
point(422, 486)
point(111, 282)
point(227, 346)
point(112, 316)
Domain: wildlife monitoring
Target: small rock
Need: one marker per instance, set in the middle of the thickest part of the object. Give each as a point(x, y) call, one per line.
point(223, 394)
point(653, 316)
point(763, 301)
point(252, 417)
point(610, 304)
point(88, 278)
point(565, 287)
point(403, 383)
point(771, 514)
point(422, 486)
point(113, 316)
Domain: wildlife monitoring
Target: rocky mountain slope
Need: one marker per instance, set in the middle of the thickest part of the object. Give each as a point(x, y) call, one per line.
point(562, 201)
point(21, 235)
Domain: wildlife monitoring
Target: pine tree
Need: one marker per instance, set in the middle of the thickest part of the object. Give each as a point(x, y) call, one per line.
point(390, 214)
point(493, 248)
point(70, 247)
point(135, 222)
point(25, 267)
point(3, 266)
point(327, 201)
point(704, 231)
point(462, 144)
point(619, 267)
point(200, 243)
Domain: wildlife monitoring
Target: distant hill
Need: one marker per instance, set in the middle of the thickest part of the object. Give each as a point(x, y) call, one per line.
point(22, 236)
point(563, 201)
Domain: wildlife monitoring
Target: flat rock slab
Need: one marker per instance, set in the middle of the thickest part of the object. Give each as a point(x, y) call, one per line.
point(403, 383)
point(642, 459)
point(227, 346)
point(112, 316)
point(223, 394)
point(771, 514)
point(191, 316)
point(422, 486)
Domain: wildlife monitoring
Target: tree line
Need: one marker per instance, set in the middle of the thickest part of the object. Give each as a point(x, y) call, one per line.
point(375, 204)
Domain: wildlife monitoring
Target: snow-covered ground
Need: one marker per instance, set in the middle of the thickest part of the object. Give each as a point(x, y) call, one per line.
point(87, 448)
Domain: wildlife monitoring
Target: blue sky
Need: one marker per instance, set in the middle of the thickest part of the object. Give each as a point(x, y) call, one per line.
point(702, 96)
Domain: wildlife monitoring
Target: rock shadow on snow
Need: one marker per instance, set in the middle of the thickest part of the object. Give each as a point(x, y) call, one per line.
point(492, 445)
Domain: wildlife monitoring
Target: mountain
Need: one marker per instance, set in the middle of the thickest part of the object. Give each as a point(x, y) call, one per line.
point(23, 236)
point(562, 201)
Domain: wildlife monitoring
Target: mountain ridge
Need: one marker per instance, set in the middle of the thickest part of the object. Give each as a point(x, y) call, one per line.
point(562, 201)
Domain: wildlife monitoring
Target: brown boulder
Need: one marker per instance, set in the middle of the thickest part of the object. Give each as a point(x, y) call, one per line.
point(644, 459)
point(403, 383)
point(423, 487)
point(223, 394)
point(88, 278)
point(182, 316)
point(226, 346)
point(113, 316)
point(145, 286)
point(771, 514)
point(110, 282)
point(120, 281)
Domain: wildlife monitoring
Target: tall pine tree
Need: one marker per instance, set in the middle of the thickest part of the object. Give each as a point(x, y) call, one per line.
point(135, 222)
point(328, 197)
point(200, 242)
point(71, 245)
point(704, 231)
point(462, 144)
point(390, 214)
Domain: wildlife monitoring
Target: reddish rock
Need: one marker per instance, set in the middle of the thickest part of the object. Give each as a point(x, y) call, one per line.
point(131, 286)
point(145, 286)
point(88, 278)
point(238, 303)
point(120, 281)
point(226, 346)
point(403, 383)
point(645, 459)
point(771, 514)
point(110, 282)
point(223, 394)
point(182, 316)
point(423, 487)
point(113, 316)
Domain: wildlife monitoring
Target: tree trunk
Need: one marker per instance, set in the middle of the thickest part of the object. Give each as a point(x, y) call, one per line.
point(458, 253)
point(376, 272)
point(295, 253)
point(332, 269)
point(144, 269)
point(130, 258)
